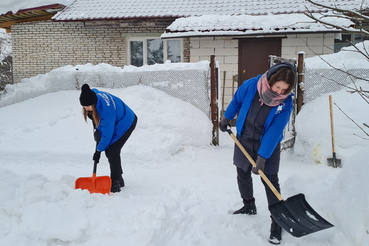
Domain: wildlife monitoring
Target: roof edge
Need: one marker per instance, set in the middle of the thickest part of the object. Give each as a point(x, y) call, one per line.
point(36, 8)
point(240, 35)
point(122, 18)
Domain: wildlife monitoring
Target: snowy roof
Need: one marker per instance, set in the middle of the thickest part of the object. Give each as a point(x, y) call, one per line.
point(246, 25)
point(82, 10)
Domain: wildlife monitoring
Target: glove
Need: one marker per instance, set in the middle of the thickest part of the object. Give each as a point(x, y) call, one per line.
point(223, 123)
point(260, 164)
point(96, 156)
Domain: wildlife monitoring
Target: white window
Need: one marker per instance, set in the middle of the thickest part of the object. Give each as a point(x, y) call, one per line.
point(346, 39)
point(153, 50)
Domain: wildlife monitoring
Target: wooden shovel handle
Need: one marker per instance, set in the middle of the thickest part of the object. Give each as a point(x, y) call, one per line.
point(331, 115)
point(271, 186)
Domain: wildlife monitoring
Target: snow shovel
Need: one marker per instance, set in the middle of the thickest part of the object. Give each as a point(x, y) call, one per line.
point(95, 184)
point(333, 162)
point(294, 215)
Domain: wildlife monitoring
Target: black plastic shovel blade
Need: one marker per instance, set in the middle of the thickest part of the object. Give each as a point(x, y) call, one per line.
point(297, 217)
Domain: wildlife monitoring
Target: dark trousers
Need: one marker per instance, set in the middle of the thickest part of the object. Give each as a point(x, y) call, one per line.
point(245, 185)
point(269, 193)
point(113, 153)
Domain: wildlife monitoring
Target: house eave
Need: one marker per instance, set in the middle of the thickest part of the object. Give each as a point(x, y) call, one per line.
point(45, 12)
point(118, 18)
point(238, 35)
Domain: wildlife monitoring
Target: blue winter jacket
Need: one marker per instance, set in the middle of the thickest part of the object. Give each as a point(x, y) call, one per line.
point(115, 118)
point(275, 123)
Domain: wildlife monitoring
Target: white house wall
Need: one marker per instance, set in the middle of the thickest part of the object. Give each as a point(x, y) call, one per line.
point(225, 50)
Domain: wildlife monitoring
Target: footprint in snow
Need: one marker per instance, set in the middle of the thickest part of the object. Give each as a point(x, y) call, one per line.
point(66, 113)
point(27, 130)
point(53, 122)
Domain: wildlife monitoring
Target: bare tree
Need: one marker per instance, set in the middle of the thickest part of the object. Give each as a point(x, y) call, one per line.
point(358, 15)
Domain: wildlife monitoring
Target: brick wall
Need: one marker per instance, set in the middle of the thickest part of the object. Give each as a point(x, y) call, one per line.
point(39, 47)
point(226, 51)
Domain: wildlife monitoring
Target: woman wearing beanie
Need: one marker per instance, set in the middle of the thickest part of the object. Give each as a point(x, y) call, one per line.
point(264, 104)
point(113, 123)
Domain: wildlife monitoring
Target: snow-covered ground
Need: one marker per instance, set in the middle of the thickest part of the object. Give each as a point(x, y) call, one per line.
point(179, 190)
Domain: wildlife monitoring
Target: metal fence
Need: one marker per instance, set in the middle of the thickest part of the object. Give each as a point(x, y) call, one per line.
point(318, 81)
point(190, 85)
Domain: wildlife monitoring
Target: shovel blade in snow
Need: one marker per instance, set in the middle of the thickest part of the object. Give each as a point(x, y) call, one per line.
point(101, 184)
point(297, 217)
point(334, 162)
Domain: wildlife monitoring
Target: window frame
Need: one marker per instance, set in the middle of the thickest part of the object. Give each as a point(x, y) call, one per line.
point(144, 40)
point(346, 44)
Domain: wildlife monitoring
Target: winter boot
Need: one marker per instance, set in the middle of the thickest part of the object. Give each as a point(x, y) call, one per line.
point(121, 182)
point(115, 186)
point(275, 233)
point(248, 207)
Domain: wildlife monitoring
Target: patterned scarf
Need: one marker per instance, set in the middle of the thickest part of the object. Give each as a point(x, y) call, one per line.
point(266, 94)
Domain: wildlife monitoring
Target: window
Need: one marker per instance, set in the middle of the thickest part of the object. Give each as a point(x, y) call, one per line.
point(346, 39)
point(153, 50)
point(136, 53)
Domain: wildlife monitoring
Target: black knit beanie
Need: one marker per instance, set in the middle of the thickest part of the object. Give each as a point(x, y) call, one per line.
point(87, 97)
point(278, 66)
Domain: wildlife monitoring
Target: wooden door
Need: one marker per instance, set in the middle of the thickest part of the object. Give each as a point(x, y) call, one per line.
point(253, 58)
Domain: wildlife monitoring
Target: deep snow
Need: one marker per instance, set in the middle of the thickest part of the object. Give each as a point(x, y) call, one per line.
point(179, 190)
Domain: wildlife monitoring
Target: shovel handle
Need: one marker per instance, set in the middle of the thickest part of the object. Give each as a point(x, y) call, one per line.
point(331, 116)
point(95, 167)
point(271, 186)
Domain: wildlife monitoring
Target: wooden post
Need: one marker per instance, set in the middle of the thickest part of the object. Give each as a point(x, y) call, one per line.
point(300, 79)
point(214, 101)
point(223, 92)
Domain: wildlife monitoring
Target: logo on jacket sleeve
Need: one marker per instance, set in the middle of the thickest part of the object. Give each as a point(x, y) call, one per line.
point(105, 97)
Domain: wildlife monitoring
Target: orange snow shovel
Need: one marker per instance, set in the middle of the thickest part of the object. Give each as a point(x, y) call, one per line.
point(95, 184)
point(294, 215)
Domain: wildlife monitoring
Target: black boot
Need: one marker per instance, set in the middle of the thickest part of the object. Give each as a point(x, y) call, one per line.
point(248, 207)
point(275, 233)
point(115, 186)
point(121, 182)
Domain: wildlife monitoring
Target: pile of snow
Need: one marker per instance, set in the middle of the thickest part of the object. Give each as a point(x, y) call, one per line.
point(349, 138)
point(347, 58)
point(71, 77)
point(180, 189)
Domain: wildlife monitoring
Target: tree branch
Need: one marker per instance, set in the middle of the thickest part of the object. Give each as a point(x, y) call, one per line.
point(343, 11)
point(351, 119)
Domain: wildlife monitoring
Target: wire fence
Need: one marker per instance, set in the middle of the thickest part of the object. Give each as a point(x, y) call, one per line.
point(318, 81)
point(190, 85)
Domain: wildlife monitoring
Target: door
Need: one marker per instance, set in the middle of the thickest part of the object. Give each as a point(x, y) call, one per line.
point(253, 56)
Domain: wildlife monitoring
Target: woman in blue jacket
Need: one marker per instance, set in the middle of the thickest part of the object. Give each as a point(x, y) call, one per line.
point(113, 123)
point(264, 104)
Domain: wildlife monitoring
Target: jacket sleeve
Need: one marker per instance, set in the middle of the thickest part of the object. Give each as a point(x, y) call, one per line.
point(106, 126)
point(274, 133)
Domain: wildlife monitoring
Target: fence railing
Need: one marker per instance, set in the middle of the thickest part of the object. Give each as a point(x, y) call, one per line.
point(190, 85)
point(319, 81)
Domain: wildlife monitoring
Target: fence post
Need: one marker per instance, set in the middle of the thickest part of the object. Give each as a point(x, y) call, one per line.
point(300, 79)
point(214, 100)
